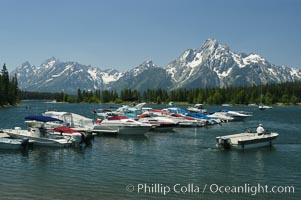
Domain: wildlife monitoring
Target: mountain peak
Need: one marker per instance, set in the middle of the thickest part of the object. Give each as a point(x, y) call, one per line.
point(25, 64)
point(50, 62)
point(142, 67)
point(210, 43)
point(51, 59)
point(147, 63)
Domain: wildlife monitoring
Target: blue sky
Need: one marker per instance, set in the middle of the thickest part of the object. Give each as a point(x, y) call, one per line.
point(122, 34)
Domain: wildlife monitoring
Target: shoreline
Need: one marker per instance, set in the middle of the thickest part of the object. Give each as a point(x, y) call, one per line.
point(150, 103)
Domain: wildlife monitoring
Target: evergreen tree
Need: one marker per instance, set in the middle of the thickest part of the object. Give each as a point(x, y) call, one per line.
point(9, 91)
point(79, 95)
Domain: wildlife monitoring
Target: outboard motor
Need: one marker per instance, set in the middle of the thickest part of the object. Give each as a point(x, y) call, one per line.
point(87, 138)
point(226, 144)
point(25, 144)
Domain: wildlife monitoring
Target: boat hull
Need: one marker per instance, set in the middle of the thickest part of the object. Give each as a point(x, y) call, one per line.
point(267, 143)
point(163, 127)
point(12, 144)
point(123, 130)
point(264, 107)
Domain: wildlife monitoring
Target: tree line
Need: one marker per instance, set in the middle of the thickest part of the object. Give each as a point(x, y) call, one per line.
point(9, 91)
point(286, 93)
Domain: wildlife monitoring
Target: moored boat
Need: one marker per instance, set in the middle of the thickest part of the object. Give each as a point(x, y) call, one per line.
point(72, 120)
point(264, 107)
point(197, 108)
point(39, 136)
point(159, 123)
point(222, 116)
point(54, 126)
point(190, 119)
point(234, 115)
point(121, 124)
point(180, 120)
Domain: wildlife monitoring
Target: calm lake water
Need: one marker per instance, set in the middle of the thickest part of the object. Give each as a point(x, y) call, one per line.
point(185, 161)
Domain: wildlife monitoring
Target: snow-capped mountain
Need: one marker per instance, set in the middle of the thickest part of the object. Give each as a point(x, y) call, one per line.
point(56, 76)
point(214, 65)
point(211, 65)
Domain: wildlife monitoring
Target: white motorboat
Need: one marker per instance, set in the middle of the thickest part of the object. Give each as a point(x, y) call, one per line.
point(185, 121)
point(197, 108)
point(264, 107)
point(160, 123)
point(246, 140)
point(58, 127)
point(233, 115)
point(222, 116)
point(39, 136)
point(121, 124)
point(180, 119)
point(238, 115)
point(9, 143)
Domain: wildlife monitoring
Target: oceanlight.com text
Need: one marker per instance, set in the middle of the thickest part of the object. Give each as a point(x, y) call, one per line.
point(191, 188)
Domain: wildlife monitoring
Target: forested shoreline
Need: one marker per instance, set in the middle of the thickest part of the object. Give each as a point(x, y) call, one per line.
point(285, 93)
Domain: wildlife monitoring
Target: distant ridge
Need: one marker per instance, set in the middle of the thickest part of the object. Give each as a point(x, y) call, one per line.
point(211, 65)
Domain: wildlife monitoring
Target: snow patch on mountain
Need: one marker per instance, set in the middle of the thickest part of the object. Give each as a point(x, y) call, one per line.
point(295, 72)
point(109, 78)
point(223, 74)
point(253, 58)
point(50, 64)
point(48, 80)
point(238, 60)
point(196, 61)
point(62, 72)
point(93, 73)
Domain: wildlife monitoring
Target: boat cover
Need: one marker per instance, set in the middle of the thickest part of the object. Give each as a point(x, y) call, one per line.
point(42, 118)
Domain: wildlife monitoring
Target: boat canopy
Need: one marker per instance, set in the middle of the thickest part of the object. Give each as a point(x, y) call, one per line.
point(42, 118)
